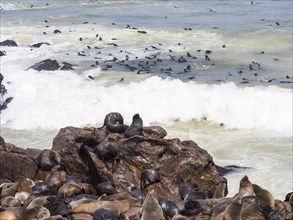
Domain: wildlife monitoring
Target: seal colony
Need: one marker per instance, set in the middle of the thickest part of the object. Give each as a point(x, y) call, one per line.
point(125, 172)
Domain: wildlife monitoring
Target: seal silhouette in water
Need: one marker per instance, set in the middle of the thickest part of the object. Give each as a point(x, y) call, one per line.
point(135, 128)
point(114, 122)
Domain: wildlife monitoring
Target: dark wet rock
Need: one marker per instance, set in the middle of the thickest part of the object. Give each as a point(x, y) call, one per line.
point(2, 53)
point(68, 143)
point(48, 64)
point(8, 43)
point(14, 162)
point(37, 45)
point(67, 66)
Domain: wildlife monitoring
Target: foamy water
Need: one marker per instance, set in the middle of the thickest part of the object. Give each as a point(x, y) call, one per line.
point(237, 105)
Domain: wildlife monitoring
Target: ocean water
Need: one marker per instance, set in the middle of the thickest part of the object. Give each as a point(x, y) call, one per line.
point(217, 72)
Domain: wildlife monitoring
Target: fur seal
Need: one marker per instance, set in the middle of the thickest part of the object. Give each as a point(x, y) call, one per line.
point(245, 187)
point(18, 213)
point(23, 185)
point(10, 201)
point(90, 206)
point(135, 128)
point(169, 208)
point(104, 214)
point(49, 159)
point(234, 210)
point(105, 188)
point(220, 191)
point(148, 177)
point(192, 208)
point(151, 208)
point(68, 190)
point(186, 193)
point(263, 197)
point(114, 123)
point(179, 217)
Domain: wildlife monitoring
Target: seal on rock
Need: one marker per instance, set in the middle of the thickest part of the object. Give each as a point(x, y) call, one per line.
point(186, 193)
point(104, 214)
point(135, 128)
point(151, 208)
point(234, 210)
point(148, 177)
point(245, 187)
point(169, 208)
point(114, 123)
point(263, 197)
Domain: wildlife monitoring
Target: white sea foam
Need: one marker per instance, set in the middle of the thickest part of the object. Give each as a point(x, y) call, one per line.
point(61, 98)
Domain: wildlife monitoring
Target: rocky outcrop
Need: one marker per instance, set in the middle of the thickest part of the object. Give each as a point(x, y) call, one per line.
point(105, 156)
point(15, 162)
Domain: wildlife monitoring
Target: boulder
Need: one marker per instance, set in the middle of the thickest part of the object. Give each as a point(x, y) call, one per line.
point(110, 157)
point(2, 53)
point(68, 143)
point(48, 64)
point(14, 162)
point(8, 43)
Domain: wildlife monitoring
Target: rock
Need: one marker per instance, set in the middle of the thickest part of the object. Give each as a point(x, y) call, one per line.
point(8, 43)
point(48, 64)
point(14, 162)
point(2, 53)
point(67, 66)
point(68, 143)
point(154, 132)
point(172, 158)
point(37, 45)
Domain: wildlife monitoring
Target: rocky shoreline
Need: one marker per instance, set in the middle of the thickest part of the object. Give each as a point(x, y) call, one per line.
point(91, 173)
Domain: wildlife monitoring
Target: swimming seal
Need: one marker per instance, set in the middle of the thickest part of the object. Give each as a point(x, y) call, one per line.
point(148, 177)
point(114, 123)
point(151, 208)
point(135, 128)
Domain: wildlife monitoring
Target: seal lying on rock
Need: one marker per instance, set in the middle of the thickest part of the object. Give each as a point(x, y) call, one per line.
point(114, 123)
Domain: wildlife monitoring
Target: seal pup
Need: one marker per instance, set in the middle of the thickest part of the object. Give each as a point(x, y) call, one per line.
point(10, 201)
point(68, 190)
point(151, 208)
point(186, 193)
point(245, 187)
point(135, 128)
point(105, 188)
point(169, 208)
point(104, 214)
point(234, 210)
point(18, 213)
point(148, 177)
point(114, 123)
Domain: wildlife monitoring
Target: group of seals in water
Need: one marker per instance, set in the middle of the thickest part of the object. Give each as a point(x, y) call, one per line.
point(60, 196)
